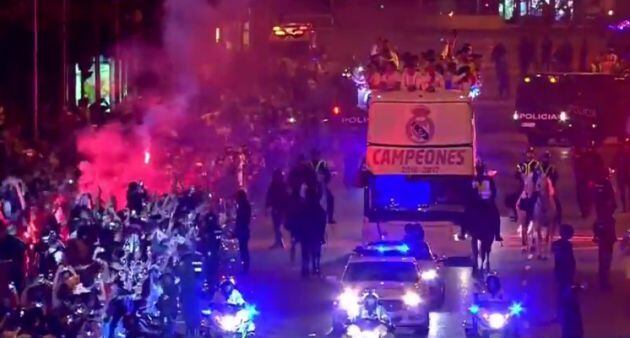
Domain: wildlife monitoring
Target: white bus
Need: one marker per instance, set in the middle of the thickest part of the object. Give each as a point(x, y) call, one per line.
point(420, 156)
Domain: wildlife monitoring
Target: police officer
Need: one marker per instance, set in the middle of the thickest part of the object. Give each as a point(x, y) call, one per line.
point(604, 227)
point(549, 169)
point(528, 166)
point(588, 164)
point(371, 309)
point(483, 183)
point(323, 174)
point(229, 294)
point(603, 193)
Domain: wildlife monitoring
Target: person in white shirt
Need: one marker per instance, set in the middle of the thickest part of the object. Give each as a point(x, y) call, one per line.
point(431, 80)
point(390, 78)
point(376, 47)
point(411, 78)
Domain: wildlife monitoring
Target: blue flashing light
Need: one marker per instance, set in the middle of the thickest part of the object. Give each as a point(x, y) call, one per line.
point(397, 192)
point(475, 91)
point(206, 312)
point(474, 309)
point(404, 248)
point(383, 248)
point(251, 309)
point(516, 309)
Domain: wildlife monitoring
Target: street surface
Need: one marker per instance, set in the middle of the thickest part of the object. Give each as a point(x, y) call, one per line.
point(291, 306)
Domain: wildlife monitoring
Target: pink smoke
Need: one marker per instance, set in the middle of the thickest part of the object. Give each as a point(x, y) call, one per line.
point(171, 146)
point(114, 156)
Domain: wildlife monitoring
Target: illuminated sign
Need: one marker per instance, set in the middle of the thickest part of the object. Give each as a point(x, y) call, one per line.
point(292, 31)
point(537, 117)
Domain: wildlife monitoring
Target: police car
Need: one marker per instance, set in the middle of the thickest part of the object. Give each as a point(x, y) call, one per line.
point(574, 108)
point(408, 287)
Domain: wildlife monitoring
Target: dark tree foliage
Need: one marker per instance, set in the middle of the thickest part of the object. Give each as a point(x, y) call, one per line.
point(94, 28)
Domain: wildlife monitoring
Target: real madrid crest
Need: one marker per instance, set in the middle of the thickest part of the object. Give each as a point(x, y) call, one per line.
point(420, 127)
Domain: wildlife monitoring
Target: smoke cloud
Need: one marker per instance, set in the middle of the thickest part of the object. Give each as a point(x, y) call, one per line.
point(116, 154)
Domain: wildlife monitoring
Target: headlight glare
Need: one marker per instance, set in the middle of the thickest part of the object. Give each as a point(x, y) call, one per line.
point(412, 298)
point(349, 301)
point(353, 331)
point(429, 274)
point(497, 321)
point(228, 323)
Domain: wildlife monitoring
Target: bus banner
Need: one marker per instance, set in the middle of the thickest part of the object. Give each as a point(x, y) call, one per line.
point(420, 160)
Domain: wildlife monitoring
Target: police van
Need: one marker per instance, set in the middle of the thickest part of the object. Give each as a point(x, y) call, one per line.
point(574, 108)
point(420, 156)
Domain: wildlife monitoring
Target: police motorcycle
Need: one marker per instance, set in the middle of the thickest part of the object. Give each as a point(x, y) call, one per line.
point(228, 315)
point(368, 319)
point(492, 316)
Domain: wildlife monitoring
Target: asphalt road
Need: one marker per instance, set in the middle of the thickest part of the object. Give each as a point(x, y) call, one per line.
point(294, 307)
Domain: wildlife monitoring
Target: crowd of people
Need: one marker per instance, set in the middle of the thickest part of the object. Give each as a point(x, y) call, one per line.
point(75, 273)
point(81, 263)
point(448, 69)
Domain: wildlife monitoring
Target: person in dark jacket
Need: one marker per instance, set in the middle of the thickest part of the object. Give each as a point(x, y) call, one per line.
point(605, 236)
point(167, 304)
point(622, 165)
point(300, 173)
point(242, 223)
point(311, 234)
point(277, 198)
point(293, 221)
point(209, 244)
point(12, 260)
point(323, 175)
point(190, 289)
point(564, 260)
point(571, 320)
point(603, 196)
point(136, 197)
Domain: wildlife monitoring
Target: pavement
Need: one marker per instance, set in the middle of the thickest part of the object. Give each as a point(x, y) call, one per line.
point(293, 307)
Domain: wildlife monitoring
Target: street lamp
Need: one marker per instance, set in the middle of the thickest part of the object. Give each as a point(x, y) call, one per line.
point(35, 70)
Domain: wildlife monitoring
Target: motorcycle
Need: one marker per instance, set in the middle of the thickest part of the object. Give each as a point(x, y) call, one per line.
point(494, 317)
point(368, 328)
point(228, 321)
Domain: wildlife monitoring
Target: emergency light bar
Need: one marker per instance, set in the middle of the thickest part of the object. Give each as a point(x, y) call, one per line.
point(383, 248)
